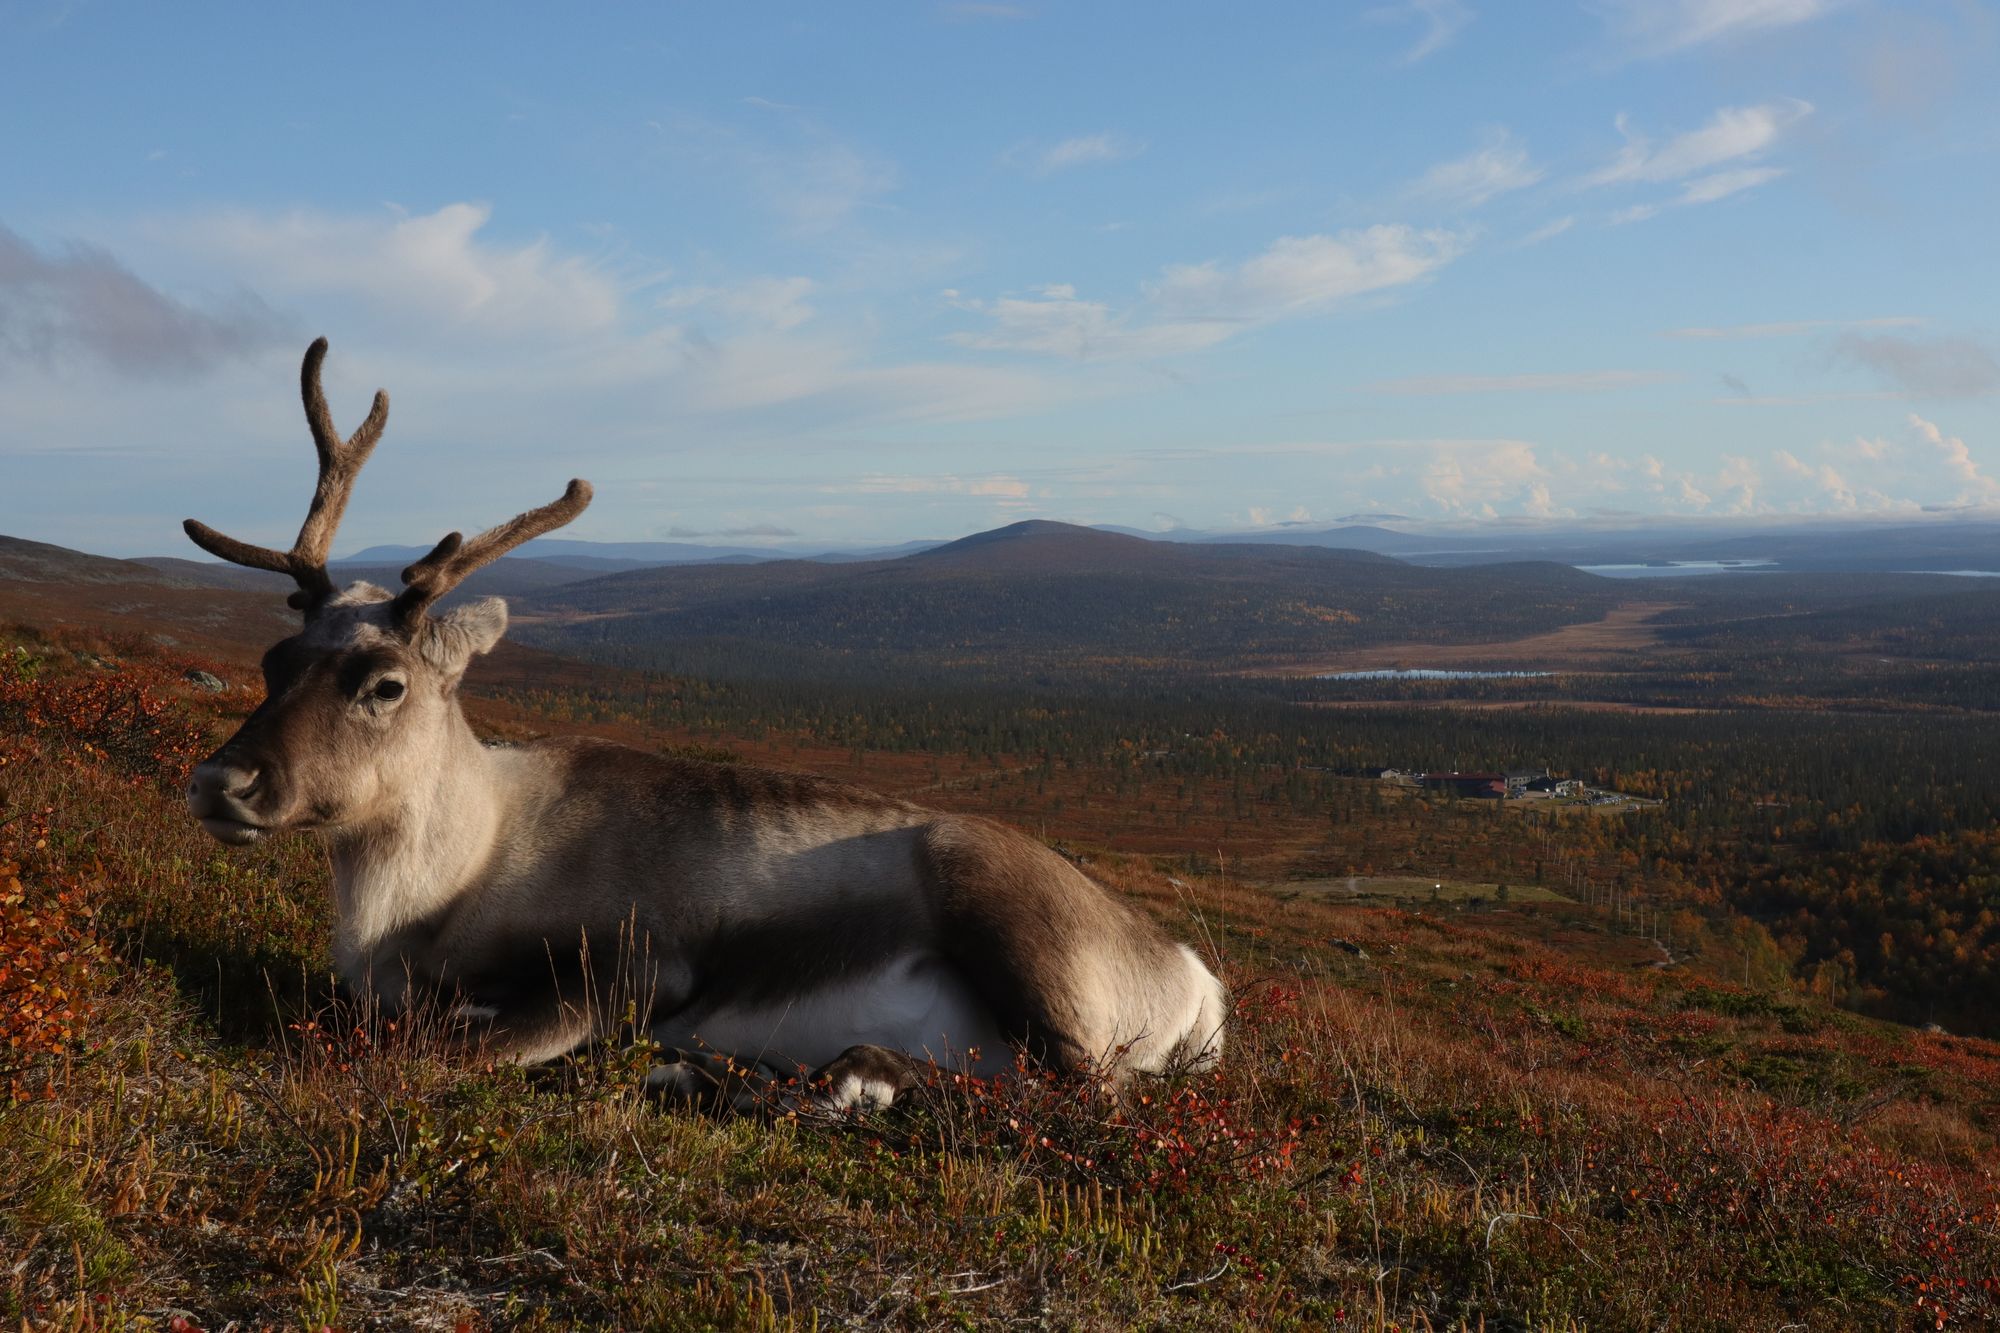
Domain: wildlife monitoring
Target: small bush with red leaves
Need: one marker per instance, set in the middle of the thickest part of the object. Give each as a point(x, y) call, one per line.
point(51, 968)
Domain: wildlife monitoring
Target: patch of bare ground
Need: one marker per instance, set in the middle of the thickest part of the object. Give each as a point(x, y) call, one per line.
point(1625, 633)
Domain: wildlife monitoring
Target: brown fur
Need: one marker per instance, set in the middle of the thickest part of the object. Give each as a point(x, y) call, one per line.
point(548, 886)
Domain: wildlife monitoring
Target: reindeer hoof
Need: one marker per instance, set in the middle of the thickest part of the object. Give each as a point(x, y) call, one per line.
point(864, 1078)
point(685, 1081)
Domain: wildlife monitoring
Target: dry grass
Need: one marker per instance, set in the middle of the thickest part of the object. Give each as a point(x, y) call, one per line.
point(1468, 1127)
point(1620, 638)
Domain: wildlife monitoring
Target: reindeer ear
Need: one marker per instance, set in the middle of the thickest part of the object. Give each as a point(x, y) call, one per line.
point(455, 638)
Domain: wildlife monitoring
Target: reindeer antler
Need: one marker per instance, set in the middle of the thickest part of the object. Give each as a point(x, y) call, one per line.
point(454, 559)
point(339, 464)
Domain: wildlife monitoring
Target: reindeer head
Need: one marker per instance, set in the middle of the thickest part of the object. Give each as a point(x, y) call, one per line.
point(358, 701)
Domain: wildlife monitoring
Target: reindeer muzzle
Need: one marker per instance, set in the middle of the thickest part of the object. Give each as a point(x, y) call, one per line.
point(221, 794)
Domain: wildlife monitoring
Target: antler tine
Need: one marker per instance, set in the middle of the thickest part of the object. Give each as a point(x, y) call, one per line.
point(339, 461)
point(339, 464)
point(454, 559)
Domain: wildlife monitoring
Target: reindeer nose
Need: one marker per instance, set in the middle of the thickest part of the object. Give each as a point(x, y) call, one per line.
point(218, 786)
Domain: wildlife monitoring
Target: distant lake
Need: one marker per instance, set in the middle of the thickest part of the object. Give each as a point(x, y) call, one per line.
point(1426, 673)
point(1959, 573)
point(1678, 568)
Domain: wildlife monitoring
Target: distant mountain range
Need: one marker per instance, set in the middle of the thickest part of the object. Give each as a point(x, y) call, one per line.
point(1941, 544)
point(1855, 547)
point(611, 557)
point(1052, 592)
point(1039, 593)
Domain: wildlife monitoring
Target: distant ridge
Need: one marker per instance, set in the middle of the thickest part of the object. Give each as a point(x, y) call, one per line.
point(1043, 591)
point(38, 562)
point(613, 557)
point(1352, 536)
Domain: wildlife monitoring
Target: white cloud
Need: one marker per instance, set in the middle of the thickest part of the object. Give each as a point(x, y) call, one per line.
point(1057, 324)
point(1264, 516)
point(1722, 184)
point(1192, 306)
point(1740, 476)
point(1300, 274)
point(1691, 495)
point(1792, 328)
point(1083, 151)
point(768, 302)
point(1659, 27)
point(1975, 486)
point(1442, 20)
point(1824, 477)
point(431, 266)
point(996, 486)
point(1476, 482)
point(1873, 451)
point(827, 379)
point(1555, 382)
point(1498, 166)
point(1549, 230)
point(1731, 133)
point(492, 351)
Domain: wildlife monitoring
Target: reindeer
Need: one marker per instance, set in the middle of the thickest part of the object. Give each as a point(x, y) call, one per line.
point(780, 920)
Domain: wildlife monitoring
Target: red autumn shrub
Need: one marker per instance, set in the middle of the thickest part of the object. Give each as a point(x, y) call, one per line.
point(51, 968)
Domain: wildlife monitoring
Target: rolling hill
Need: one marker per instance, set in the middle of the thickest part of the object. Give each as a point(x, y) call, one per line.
point(1040, 592)
point(23, 561)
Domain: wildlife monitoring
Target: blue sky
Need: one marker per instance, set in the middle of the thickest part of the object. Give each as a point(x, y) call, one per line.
point(864, 274)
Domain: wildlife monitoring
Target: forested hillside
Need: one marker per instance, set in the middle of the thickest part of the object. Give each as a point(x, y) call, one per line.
point(1038, 593)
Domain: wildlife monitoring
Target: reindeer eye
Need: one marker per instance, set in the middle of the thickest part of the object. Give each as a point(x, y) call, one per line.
point(389, 689)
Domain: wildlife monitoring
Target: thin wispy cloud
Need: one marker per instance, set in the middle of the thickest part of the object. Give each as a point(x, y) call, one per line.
point(1731, 134)
point(1577, 381)
point(748, 530)
point(996, 486)
point(1500, 165)
point(1743, 398)
point(968, 11)
point(80, 301)
point(1193, 306)
point(438, 267)
point(1438, 21)
point(1792, 328)
point(1722, 184)
point(699, 252)
point(809, 179)
point(1549, 230)
point(1941, 367)
point(765, 302)
point(1662, 27)
point(1085, 150)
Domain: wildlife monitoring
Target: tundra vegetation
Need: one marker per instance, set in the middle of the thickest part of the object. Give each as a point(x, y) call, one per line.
point(1433, 1116)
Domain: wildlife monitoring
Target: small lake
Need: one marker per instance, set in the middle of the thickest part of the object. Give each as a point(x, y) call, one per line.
point(1426, 673)
point(1678, 569)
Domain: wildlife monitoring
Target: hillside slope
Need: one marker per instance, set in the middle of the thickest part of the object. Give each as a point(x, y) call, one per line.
point(1041, 592)
point(23, 561)
point(1426, 1120)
